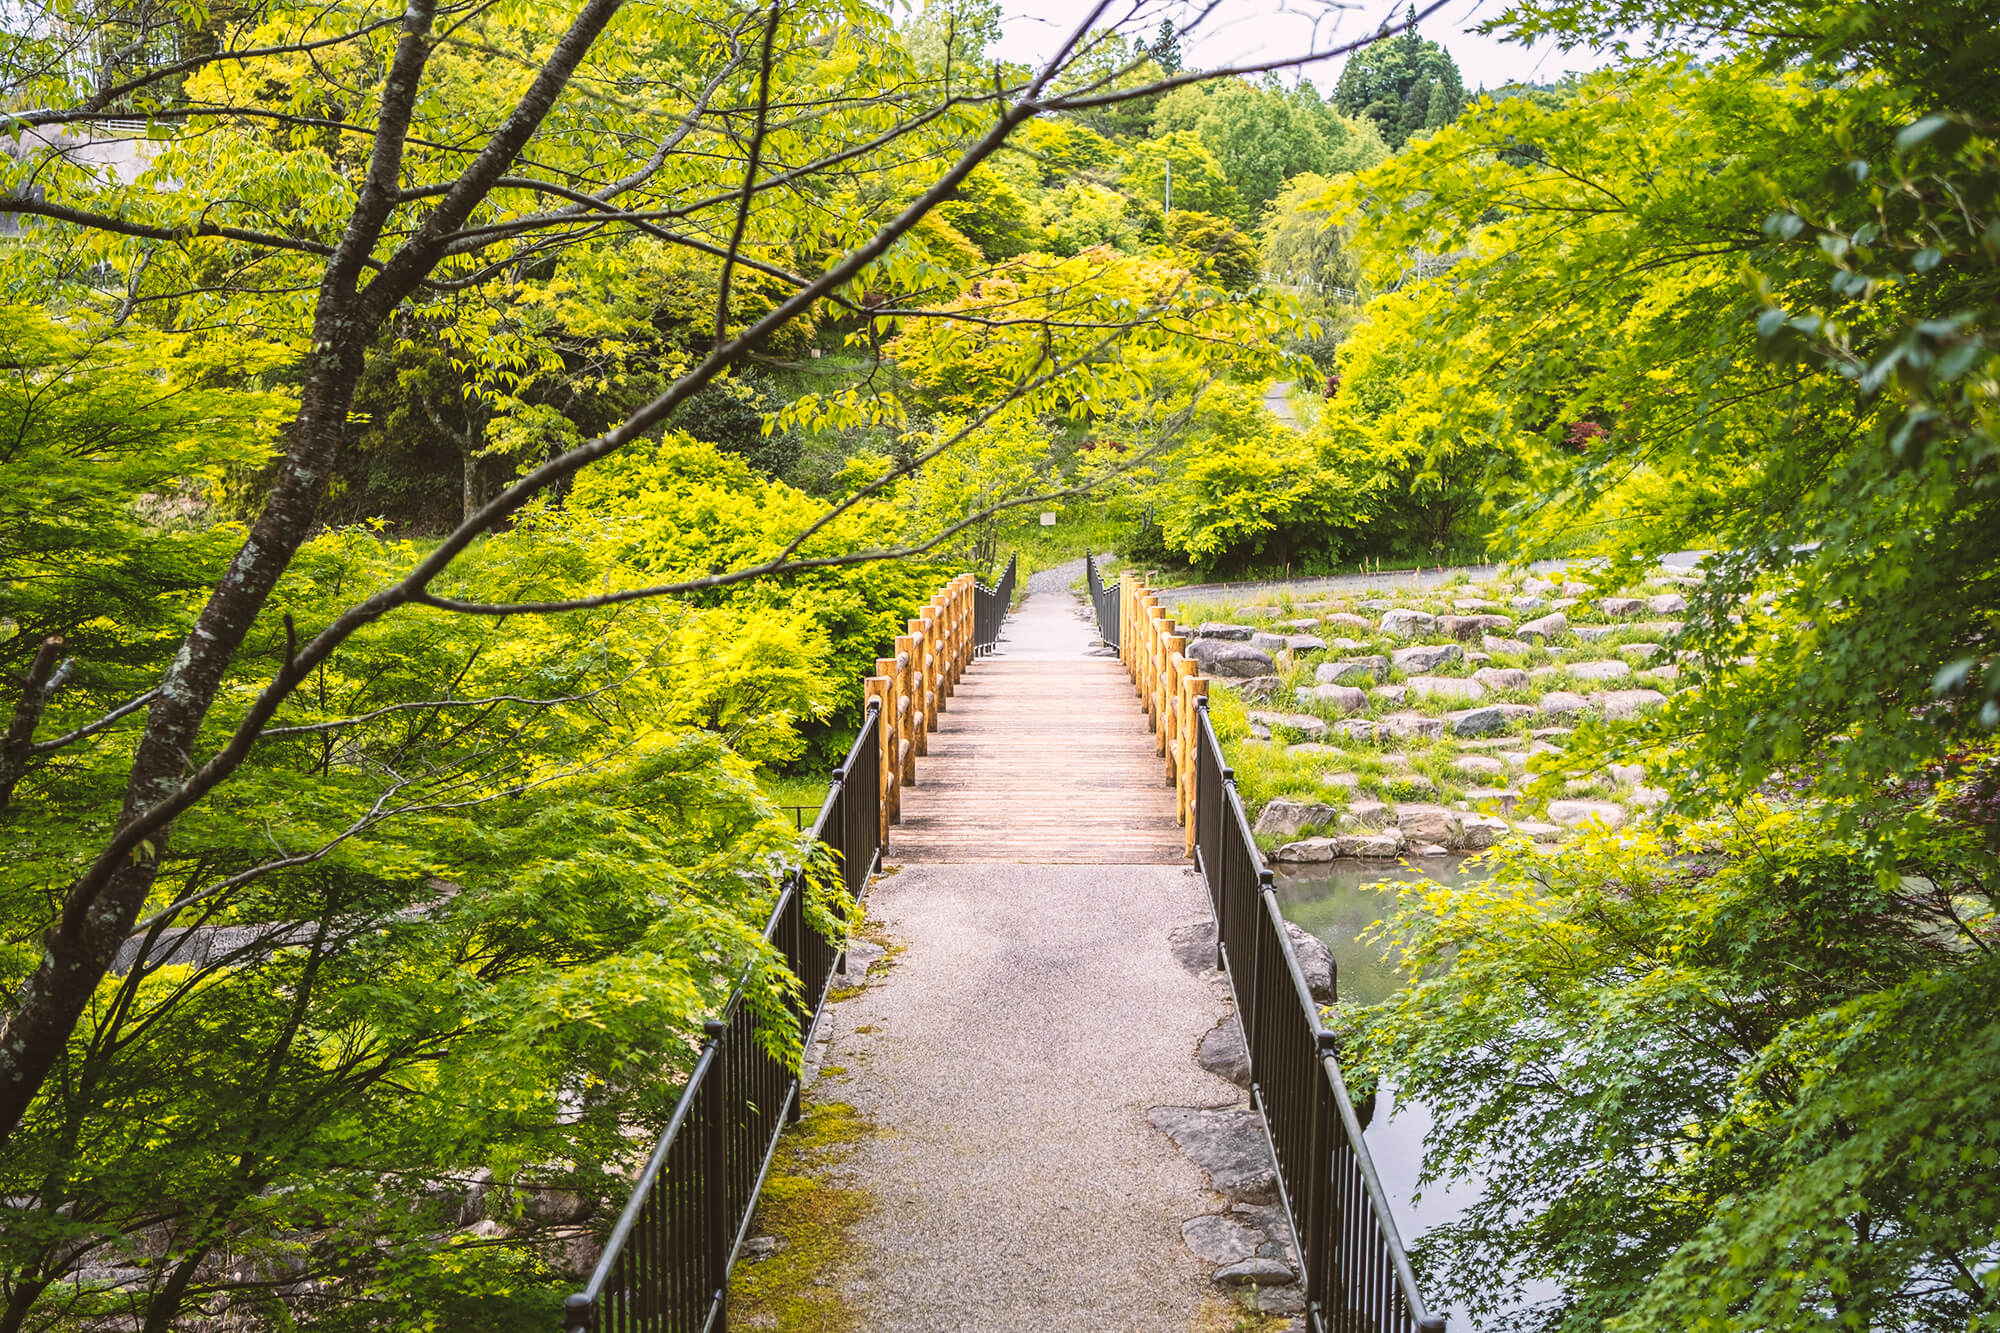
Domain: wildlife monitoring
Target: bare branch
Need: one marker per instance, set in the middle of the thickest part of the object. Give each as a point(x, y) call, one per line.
point(755, 159)
point(89, 729)
point(28, 708)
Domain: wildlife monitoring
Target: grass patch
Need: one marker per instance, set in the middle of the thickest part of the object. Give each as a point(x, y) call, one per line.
point(794, 1290)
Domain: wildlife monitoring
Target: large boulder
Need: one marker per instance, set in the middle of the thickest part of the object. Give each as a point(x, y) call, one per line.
point(1630, 703)
point(1352, 671)
point(1564, 703)
point(1428, 823)
point(1426, 656)
point(1410, 724)
point(1494, 643)
point(1572, 813)
point(1367, 814)
point(1215, 629)
point(1286, 818)
point(1356, 729)
point(1622, 608)
point(1347, 620)
point(1306, 850)
point(1222, 657)
point(1667, 604)
point(1304, 723)
point(1288, 643)
point(1490, 720)
point(1548, 627)
point(1606, 670)
point(1502, 678)
point(1315, 961)
point(1445, 687)
point(1344, 697)
point(1479, 765)
point(1469, 628)
point(1406, 623)
point(1370, 846)
point(1478, 832)
point(1260, 689)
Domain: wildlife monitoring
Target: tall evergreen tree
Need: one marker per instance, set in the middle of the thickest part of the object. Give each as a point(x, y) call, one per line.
point(1167, 48)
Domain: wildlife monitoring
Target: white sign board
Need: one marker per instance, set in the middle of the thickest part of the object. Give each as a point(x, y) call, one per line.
point(1048, 520)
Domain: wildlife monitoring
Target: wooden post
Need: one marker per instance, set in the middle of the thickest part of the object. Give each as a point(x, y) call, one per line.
point(909, 710)
point(882, 686)
point(920, 686)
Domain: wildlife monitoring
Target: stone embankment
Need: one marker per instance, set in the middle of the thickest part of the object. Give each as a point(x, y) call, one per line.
point(1377, 727)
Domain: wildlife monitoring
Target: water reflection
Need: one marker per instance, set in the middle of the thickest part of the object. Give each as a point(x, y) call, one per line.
point(1335, 903)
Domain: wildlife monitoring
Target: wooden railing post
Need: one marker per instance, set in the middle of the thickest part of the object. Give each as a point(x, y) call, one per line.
point(920, 686)
point(882, 688)
point(909, 709)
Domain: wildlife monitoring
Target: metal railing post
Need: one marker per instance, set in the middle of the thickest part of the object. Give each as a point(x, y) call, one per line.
point(716, 1168)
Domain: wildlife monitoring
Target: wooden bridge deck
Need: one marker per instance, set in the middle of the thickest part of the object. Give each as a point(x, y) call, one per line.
point(1043, 756)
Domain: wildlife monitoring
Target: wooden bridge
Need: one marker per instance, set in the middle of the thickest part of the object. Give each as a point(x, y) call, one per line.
point(1060, 814)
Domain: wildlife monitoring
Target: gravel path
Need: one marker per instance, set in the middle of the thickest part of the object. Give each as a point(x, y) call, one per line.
point(1008, 1058)
point(1386, 582)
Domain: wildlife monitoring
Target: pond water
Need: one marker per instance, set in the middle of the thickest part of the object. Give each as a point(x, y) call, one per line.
point(1336, 904)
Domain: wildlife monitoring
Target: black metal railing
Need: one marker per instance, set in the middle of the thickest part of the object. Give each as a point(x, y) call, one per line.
point(666, 1264)
point(1357, 1273)
point(989, 609)
point(1105, 600)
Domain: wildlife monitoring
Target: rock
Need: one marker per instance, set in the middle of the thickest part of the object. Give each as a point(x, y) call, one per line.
point(1429, 849)
point(860, 956)
point(1348, 780)
point(1622, 608)
point(1478, 832)
point(1218, 1237)
point(1428, 823)
point(1488, 720)
point(1445, 687)
point(1221, 657)
point(1368, 814)
point(1370, 846)
point(1285, 818)
point(1630, 703)
point(1315, 962)
point(1469, 628)
point(1193, 946)
point(1304, 643)
point(759, 1248)
point(1300, 626)
point(1344, 620)
point(1527, 602)
point(1477, 658)
point(1406, 623)
point(1639, 652)
point(1260, 689)
point(1475, 604)
point(1648, 797)
point(1215, 629)
point(1304, 723)
point(1540, 586)
point(1626, 775)
point(1284, 1300)
point(1571, 588)
point(1606, 670)
point(1352, 671)
point(1256, 1272)
point(1666, 672)
point(1548, 627)
point(1344, 697)
point(1223, 1054)
point(1596, 633)
point(1539, 832)
point(1551, 733)
point(1493, 643)
point(1572, 813)
point(1390, 694)
point(1502, 678)
point(1426, 657)
point(1665, 629)
point(1410, 724)
point(1228, 1145)
point(1503, 799)
point(1355, 728)
point(1268, 642)
point(1412, 787)
point(1478, 765)
point(1307, 850)
point(1667, 604)
point(1564, 603)
point(1563, 703)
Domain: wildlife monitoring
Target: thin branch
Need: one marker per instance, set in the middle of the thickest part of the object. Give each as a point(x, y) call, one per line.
point(750, 166)
point(92, 728)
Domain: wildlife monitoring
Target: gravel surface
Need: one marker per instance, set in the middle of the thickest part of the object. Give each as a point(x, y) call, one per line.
point(1011, 1054)
point(1056, 578)
point(1386, 582)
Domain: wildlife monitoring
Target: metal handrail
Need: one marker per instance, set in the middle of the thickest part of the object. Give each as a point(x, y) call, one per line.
point(1104, 601)
point(666, 1262)
point(1357, 1271)
point(989, 609)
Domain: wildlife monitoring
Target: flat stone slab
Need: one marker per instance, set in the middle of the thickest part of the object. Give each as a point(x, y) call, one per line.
point(1228, 1144)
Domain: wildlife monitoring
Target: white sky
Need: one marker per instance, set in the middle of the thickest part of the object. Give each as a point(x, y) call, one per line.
point(1247, 30)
